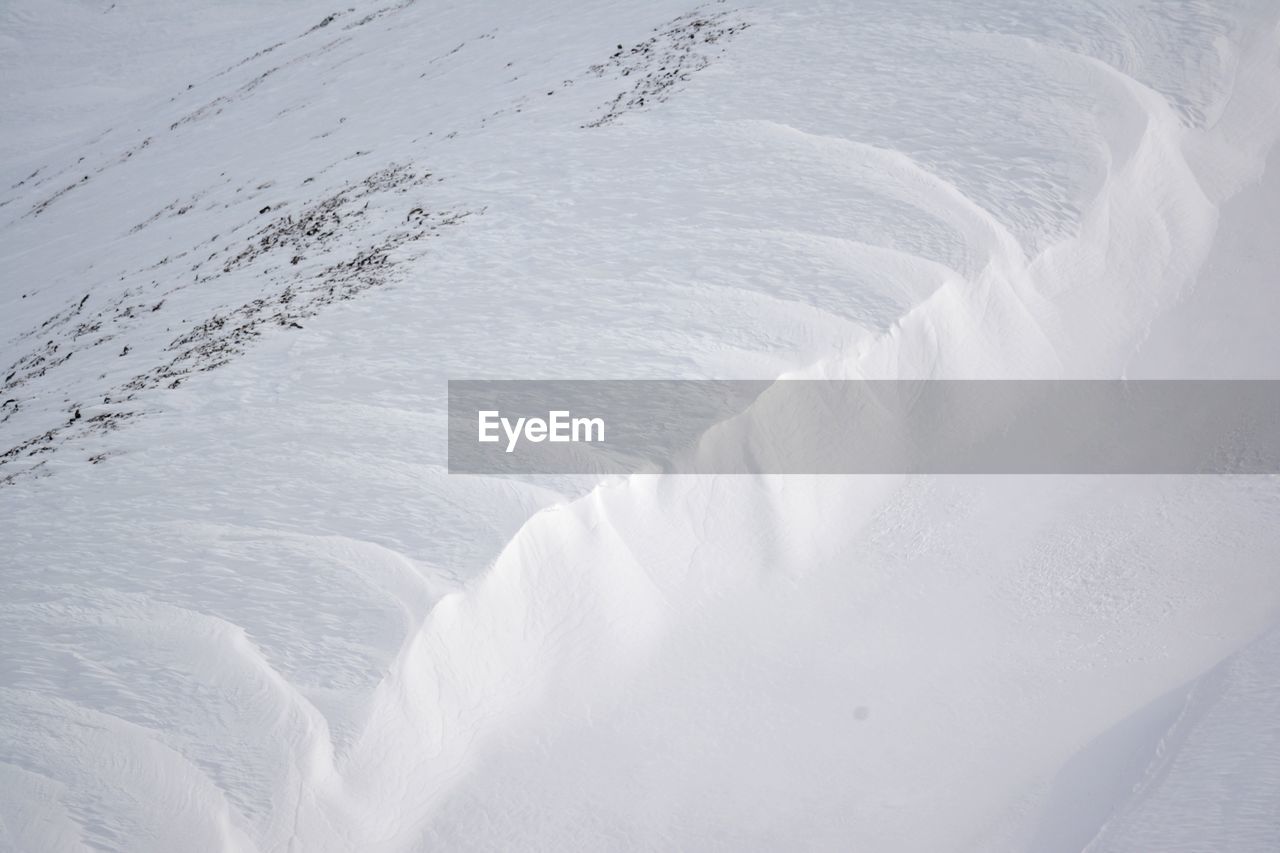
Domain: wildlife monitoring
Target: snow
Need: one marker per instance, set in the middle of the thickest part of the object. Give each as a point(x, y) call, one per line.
point(245, 607)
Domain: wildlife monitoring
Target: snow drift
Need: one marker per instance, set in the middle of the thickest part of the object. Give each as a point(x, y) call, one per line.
point(246, 609)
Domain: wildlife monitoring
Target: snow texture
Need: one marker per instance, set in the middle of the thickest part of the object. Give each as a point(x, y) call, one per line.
point(244, 607)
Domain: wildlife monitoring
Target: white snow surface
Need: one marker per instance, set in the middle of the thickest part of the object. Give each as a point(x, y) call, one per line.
point(244, 244)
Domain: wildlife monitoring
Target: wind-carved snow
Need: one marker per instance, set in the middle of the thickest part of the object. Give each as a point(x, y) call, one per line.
point(269, 619)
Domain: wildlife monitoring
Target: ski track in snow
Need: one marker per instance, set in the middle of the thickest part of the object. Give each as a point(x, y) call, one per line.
point(270, 621)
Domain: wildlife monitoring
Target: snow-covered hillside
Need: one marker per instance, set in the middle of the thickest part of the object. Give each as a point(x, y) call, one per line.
point(245, 607)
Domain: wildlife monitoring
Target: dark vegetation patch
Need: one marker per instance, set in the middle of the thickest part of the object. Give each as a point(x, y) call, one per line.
point(379, 13)
point(359, 234)
point(654, 68)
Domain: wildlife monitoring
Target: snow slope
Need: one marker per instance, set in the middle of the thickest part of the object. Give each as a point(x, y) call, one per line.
point(245, 607)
